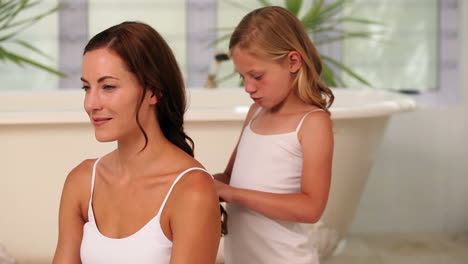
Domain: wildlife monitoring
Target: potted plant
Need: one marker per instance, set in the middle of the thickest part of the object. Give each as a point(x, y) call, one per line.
point(325, 22)
point(11, 25)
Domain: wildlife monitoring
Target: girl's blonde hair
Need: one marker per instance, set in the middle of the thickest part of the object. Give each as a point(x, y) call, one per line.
point(274, 32)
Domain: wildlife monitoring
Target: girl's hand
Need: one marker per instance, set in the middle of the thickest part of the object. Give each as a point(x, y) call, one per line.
point(224, 191)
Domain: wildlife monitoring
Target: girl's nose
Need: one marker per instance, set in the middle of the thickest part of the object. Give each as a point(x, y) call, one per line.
point(249, 87)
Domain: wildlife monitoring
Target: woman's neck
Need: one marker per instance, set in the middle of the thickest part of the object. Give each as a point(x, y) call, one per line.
point(133, 158)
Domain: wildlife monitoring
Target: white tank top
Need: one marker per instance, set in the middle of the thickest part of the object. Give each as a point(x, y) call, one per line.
point(147, 245)
point(269, 163)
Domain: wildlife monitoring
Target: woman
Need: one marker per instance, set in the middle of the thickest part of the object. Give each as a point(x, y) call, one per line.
point(148, 201)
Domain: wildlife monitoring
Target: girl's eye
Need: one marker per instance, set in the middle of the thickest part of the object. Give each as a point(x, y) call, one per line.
point(85, 87)
point(241, 77)
point(259, 77)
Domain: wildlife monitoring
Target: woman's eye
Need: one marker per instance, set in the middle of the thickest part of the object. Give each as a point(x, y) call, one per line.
point(85, 87)
point(259, 77)
point(108, 87)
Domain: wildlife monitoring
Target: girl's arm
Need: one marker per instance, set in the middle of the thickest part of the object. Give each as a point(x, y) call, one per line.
point(316, 139)
point(195, 220)
point(225, 176)
point(71, 218)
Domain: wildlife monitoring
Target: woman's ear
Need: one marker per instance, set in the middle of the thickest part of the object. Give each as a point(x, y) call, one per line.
point(295, 61)
point(153, 99)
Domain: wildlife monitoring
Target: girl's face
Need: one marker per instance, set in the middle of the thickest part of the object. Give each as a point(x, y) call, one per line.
point(268, 82)
point(112, 95)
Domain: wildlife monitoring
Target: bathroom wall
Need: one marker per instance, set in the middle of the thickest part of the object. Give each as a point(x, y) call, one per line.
point(418, 183)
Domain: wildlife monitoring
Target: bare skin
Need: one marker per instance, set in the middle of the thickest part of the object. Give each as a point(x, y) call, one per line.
point(131, 184)
point(270, 86)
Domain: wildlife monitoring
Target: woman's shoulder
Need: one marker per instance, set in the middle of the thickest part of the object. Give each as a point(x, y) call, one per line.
point(80, 176)
point(77, 187)
point(83, 168)
point(195, 183)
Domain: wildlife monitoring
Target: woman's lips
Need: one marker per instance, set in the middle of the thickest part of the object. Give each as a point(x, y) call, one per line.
point(100, 121)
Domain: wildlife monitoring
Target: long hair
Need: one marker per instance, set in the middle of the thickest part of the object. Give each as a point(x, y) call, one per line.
point(273, 32)
point(148, 56)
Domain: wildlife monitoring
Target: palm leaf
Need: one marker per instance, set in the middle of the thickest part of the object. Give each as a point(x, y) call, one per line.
point(345, 69)
point(18, 59)
point(311, 15)
point(265, 2)
point(9, 11)
point(327, 20)
point(293, 5)
point(31, 47)
point(29, 21)
point(327, 76)
point(360, 21)
point(334, 81)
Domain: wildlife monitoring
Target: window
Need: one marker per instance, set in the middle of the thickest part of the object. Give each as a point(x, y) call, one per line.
point(415, 52)
point(419, 52)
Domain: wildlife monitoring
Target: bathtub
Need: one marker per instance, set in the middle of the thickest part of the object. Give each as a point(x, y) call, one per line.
point(360, 119)
point(45, 134)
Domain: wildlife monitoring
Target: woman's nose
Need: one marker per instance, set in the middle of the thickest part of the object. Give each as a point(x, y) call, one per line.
point(92, 101)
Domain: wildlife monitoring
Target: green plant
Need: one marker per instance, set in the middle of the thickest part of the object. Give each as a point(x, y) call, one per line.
point(324, 21)
point(11, 26)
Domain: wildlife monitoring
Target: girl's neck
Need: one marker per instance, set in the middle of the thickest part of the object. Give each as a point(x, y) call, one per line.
point(291, 104)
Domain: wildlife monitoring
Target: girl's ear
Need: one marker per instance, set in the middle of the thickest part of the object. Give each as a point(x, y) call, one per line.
point(295, 61)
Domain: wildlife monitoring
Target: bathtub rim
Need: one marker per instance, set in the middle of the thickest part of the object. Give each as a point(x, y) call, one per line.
point(65, 106)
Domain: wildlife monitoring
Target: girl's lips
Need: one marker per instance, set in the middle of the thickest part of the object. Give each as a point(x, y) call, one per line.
point(100, 121)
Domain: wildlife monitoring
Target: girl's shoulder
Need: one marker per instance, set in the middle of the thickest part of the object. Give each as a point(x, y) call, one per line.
point(253, 111)
point(315, 121)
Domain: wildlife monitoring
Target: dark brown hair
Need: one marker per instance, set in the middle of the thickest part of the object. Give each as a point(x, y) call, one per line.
point(272, 32)
point(151, 60)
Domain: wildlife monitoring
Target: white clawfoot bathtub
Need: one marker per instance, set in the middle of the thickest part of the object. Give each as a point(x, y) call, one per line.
point(44, 135)
point(360, 119)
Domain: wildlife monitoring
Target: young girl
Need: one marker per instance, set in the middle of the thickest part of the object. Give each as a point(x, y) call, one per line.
point(279, 173)
point(149, 200)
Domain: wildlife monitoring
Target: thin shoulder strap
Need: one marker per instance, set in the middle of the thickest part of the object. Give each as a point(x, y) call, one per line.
point(255, 114)
point(304, 117)
point(93, 179)
point(175, 182)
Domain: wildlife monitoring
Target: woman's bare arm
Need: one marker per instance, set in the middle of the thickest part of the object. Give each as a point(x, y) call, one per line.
point(71, 219)
point(195, 220)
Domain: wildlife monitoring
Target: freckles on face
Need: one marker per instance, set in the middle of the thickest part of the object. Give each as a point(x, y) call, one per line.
point(267, 81)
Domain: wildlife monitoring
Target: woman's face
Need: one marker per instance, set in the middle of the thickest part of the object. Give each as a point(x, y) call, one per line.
point(112, 96)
